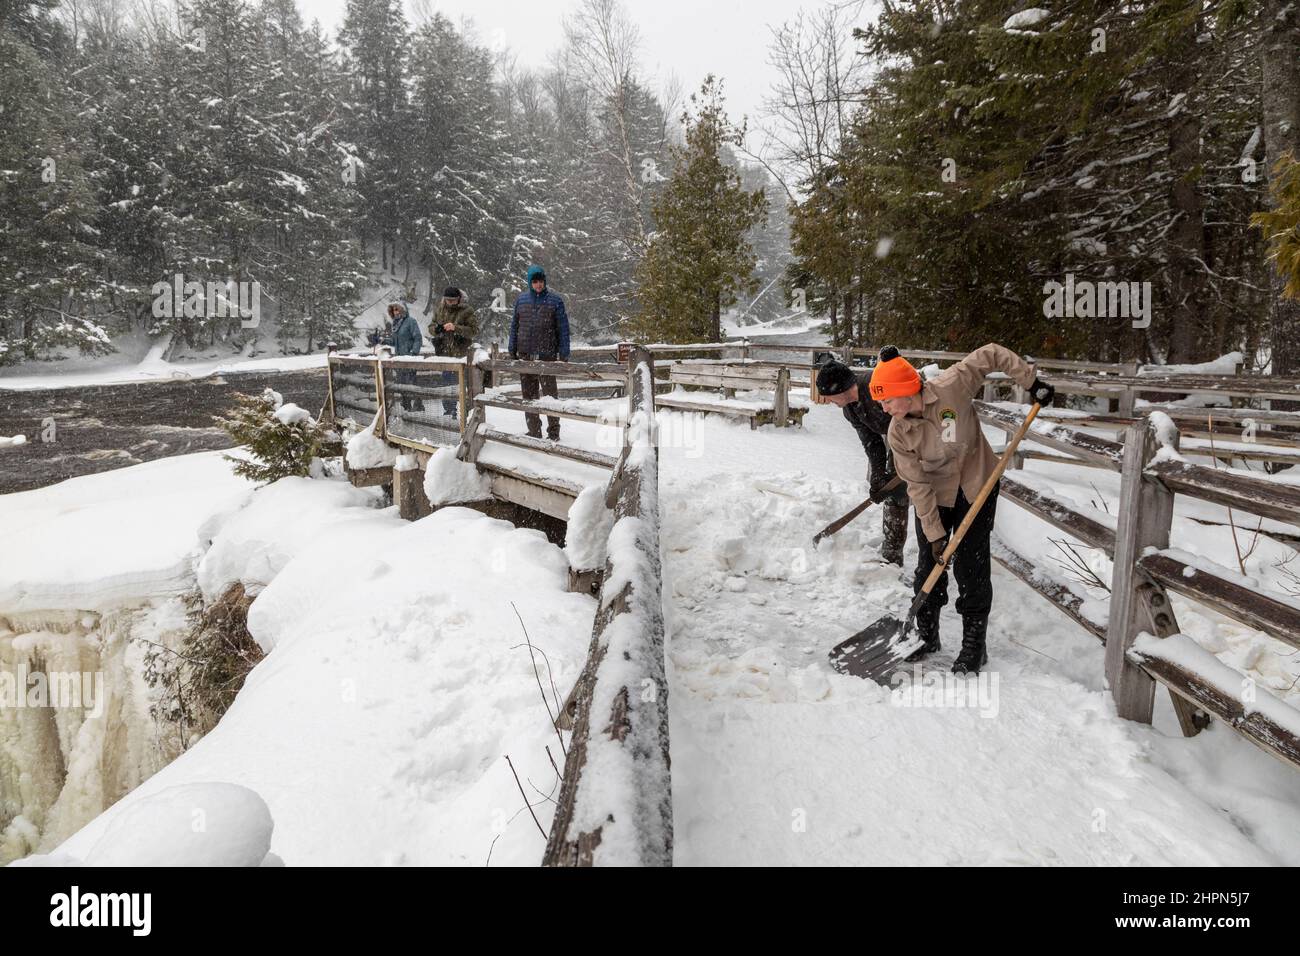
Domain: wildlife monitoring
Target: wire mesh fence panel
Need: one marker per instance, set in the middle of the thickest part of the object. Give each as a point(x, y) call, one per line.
point(353, 387)
point(423, 402)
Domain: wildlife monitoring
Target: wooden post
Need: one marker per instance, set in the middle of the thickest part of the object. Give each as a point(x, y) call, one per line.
point(408, 492)
point(1146, 510)
point(474, 436)
point(327, 413)
point(382, 430)
point(1161, 621)
point(471, 386)
point(1018, 394)
point(782, 397)
point(1127, 402)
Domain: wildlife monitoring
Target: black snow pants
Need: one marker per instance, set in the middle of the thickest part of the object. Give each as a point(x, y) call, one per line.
point(970, 565)
point(532, 386)
point(893, 522)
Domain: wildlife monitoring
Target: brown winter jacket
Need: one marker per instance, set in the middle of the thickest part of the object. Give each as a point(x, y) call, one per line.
point(456, 342)
point(943, 448)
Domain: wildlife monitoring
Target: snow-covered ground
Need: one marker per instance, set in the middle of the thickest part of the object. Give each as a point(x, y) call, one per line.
point(375, 730)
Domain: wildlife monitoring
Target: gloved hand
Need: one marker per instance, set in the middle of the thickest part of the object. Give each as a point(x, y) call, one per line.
point(936, 549)
point(876, 486)
point(1041, 392)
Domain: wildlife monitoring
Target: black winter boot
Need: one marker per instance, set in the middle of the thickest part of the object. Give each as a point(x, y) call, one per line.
point(927, 629)
point(974, 654)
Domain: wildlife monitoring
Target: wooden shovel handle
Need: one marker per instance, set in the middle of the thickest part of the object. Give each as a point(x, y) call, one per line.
point(954, 539)
point(840, 522)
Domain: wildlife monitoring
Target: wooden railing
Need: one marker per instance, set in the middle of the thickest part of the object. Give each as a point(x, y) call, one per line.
point(1141, 617)
point(615, 802)
point(421, 402)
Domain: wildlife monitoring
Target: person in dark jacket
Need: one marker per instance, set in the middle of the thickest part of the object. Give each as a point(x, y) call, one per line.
point(539, 331)
point(848, 391)
point(407, 340)
point(453, 329)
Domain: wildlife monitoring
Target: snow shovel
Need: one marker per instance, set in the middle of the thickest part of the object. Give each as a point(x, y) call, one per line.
point(876, 650)
point(839, 523)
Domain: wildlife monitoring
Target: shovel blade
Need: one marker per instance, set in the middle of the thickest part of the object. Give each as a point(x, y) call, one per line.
point(875, 651)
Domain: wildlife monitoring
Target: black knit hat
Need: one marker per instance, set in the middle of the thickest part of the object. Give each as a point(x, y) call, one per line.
point(451, 292)
point(833, 378)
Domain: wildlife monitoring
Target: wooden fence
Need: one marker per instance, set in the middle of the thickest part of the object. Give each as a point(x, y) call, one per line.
point(420, 401)
point(1146, 571)
point(615, 802)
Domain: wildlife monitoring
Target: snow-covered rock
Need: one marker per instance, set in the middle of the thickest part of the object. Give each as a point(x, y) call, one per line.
point(196, 824)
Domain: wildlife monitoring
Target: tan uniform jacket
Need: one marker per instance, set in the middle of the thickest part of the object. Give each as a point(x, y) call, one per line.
point(944, 448)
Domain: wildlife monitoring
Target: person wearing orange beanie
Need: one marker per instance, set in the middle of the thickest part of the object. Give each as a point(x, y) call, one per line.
point(940, 451)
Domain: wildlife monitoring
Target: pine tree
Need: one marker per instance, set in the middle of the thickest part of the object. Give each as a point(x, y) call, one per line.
point(699, 257)
point(52, 291)
point(1281, 225)
point(1112, 142)
point(376, 45)
point(281, 445)
point(457, 172)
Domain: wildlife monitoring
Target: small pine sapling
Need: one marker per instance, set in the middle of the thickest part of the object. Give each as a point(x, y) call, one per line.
point(282, 439)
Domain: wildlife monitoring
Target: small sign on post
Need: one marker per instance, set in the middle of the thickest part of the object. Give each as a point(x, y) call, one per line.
point(624, 350)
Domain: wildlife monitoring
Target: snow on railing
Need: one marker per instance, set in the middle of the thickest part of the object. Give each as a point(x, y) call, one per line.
point(615, 802)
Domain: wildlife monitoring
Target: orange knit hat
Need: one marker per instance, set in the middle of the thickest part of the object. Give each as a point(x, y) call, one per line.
point(894, 377)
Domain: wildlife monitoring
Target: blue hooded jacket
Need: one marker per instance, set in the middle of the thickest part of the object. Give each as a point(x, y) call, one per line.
point(540, 324)
point(407, 338)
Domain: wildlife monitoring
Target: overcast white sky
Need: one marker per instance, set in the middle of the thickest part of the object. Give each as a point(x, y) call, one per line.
point(685, 38)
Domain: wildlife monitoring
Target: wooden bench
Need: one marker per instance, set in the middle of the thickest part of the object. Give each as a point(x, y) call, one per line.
point(727, 380)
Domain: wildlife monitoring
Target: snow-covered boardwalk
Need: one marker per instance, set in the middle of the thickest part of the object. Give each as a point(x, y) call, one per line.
point(376, 728)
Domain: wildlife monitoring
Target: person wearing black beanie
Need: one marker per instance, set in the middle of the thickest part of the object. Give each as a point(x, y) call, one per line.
point(847, 390)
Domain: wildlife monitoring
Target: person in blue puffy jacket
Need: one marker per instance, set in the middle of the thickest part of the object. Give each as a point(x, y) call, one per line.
point(539, 331)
